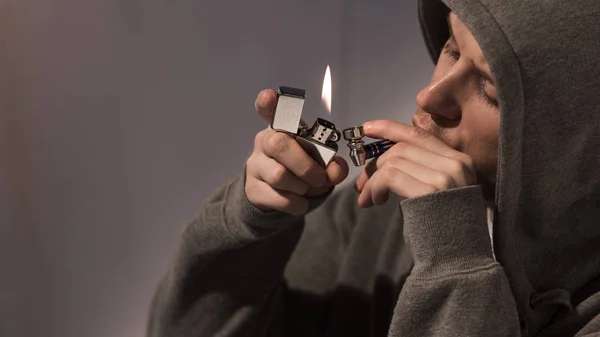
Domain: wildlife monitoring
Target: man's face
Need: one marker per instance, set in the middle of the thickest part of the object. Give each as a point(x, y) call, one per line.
point(459, 106)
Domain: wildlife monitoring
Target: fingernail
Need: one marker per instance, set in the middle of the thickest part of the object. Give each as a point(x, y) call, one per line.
point(367, 125)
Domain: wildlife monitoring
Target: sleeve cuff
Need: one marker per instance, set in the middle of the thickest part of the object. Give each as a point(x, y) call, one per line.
point(447, 232)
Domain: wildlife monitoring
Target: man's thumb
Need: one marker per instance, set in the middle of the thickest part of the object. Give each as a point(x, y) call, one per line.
point(265, 103)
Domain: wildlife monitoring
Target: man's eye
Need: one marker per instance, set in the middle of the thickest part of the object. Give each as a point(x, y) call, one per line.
point(450, 52)
point(486, 97)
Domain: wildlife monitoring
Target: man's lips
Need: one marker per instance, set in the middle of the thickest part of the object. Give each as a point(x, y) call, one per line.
point(426, 122)
point(417, 122)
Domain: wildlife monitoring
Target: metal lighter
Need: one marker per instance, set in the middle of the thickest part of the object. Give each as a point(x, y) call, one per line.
point(319, 141)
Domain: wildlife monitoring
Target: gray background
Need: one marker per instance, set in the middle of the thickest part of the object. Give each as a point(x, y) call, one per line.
point(118, 117)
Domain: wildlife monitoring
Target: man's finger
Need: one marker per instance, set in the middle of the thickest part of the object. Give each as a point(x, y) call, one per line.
point(337, 170)
point(265, 104)
point(364, 199)
point(270, 171)
point(390, 179)
point(267, 198)
point(364, 176)
point(286, 150)
point(399, 132)
point(428, 163)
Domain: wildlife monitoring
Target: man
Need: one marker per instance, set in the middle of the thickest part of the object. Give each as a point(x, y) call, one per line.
point(509, 120)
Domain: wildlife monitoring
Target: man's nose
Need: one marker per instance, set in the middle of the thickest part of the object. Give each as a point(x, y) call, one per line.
point(441, 97)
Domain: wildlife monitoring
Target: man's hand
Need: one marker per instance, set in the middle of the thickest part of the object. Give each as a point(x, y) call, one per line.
point(279, 174)
point(418, 164)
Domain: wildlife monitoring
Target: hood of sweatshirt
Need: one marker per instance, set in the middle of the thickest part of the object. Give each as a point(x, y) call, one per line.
point(545, 60)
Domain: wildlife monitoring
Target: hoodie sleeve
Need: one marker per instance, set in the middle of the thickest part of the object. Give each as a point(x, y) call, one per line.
point(456, 287)
point(227, 275)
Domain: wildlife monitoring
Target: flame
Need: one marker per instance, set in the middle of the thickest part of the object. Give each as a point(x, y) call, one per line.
point(326, 93)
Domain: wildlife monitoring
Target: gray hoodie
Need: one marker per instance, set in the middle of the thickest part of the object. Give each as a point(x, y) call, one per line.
point(424, 266)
